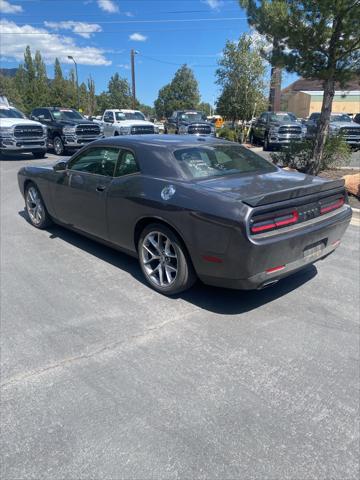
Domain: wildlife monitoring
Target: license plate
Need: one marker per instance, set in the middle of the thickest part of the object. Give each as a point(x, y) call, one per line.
point(315, 249)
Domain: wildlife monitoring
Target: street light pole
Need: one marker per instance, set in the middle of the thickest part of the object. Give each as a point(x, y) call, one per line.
point(70, 57)
point(132, 58)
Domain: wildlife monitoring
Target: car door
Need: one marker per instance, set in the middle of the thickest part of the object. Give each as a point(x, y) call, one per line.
point(108, 124)
point(81, 191)
point(123, 205)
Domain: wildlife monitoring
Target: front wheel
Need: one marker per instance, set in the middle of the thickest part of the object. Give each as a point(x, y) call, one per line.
point(164, 260)
point(59, 148)
point(35, 207)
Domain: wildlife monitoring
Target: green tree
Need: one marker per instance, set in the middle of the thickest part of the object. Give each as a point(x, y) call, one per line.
point(119, 92)
point(205, 107)
point(59, 94)
point(8, 87)
point(314, 39)
point(181, 93)
point(41, 81)
point(241, 75)
point(91, 104)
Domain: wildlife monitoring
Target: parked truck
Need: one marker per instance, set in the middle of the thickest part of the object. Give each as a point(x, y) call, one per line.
point(67, 129)
point(18, 134)
point(126, 122)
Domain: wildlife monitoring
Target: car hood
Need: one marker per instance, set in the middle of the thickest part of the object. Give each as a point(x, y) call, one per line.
point(75, 122)
point(345, 124)
point(263, 188)
point(194, 123)
point(132, 123)
point(286, 124)
point(10, 122)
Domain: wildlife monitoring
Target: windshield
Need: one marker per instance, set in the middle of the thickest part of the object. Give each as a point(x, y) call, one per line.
point(340, 118)
point(132, 116)
point(11, 113)
point(203, 162)
point(192, 117)
point(66, 114)
point(282, 117)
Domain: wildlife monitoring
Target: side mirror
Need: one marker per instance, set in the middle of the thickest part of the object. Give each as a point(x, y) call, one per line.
point(60, 166)
point(34, 117)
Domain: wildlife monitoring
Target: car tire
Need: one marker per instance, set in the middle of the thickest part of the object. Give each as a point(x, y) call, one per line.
point(39, 154)
point(35, 207)
point(59, 148)
point(116, 134)
point(164, 260)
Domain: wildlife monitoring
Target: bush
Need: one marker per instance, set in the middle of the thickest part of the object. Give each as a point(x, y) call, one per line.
point(228, 134)
point(299, 154)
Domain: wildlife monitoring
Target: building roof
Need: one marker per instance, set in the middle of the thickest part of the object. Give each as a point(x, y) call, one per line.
point(307, 84)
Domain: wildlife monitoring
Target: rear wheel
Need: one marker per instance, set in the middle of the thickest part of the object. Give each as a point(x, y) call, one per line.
point(35, 207)
point(59, 148)
point(164, 260)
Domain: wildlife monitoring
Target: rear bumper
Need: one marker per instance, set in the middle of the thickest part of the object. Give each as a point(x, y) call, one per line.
point(256, 264)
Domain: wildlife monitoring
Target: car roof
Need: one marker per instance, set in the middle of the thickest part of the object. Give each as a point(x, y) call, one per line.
point(171, 142)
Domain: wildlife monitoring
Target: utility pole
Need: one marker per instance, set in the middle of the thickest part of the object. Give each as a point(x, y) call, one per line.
point(132, 58)
point(77, 81)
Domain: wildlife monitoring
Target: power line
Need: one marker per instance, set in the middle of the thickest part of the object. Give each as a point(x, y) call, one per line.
point(193, 65)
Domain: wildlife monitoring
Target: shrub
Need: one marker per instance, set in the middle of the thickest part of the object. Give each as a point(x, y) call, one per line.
point(299, 154)
point(228, 134)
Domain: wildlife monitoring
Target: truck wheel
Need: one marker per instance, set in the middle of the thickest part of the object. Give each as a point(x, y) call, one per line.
point(40, 154)
point(59, 148)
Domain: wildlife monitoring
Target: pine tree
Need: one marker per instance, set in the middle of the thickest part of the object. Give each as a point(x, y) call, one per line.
point(59, 95)
point(91, 104)
point(41, 82)
point(119, 92)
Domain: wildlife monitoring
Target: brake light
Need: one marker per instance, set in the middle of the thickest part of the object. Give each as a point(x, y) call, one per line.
point(332, 206)
point(277, 222)
point(275, 269)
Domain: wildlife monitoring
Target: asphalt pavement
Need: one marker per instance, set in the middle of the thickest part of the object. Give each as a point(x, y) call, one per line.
point(103, 378)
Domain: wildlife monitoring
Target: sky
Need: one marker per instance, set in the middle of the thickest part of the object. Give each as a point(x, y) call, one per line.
point(99, 34)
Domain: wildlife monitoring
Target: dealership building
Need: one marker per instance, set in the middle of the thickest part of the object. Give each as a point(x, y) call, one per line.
point(304, 97)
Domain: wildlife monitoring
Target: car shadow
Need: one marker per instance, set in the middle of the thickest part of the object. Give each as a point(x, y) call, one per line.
point(20, 157)
point(216, 300)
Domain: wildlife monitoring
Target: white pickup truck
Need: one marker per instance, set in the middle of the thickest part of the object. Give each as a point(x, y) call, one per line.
point(18, 134)
point(126, 122)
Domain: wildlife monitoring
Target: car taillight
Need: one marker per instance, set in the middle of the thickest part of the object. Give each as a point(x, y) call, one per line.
point(277, 222)
point(332, 206)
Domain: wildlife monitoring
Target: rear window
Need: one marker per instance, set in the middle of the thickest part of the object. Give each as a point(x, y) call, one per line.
point(220, 160)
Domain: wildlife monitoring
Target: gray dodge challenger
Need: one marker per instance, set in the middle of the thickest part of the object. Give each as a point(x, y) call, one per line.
point(191, 207)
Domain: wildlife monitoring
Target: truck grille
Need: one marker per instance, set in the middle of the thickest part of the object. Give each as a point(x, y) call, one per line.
point(200, 129)
point(28, 131)
point(293, 130)
point(88, 130)
point(350, 131)
point(142, 130)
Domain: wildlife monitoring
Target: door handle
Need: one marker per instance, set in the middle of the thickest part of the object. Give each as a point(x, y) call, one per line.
point(100, 188)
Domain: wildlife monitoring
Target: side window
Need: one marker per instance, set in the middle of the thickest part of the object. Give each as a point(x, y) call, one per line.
point(44, 113)
point(100, 161)
point(126, 164)
point(264, 117)
point(108, 117)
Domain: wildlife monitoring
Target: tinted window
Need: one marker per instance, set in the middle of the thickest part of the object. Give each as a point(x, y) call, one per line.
point(100, 161)
point(192, 116)
point(340, 118)
point(66, 114)
point(200, 162)
point(126, 164)
point(282, 117)
point(263, 117)
point(134, 116)
point(108, 117)
point(10, 113)
point(45, 113)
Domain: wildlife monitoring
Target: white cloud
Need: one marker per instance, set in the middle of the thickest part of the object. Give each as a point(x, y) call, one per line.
point(137, 37)
point(108, 6)
point(80, 28)
point(125, 66)
point(15, 38)
point(214, 4)
point(6, 7)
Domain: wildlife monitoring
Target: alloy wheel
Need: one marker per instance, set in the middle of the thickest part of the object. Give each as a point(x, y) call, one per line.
point(58, 146)
point(35, 206)
point(159, 259)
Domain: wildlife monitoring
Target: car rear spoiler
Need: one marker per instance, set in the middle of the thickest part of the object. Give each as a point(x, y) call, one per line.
point(283, 195)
